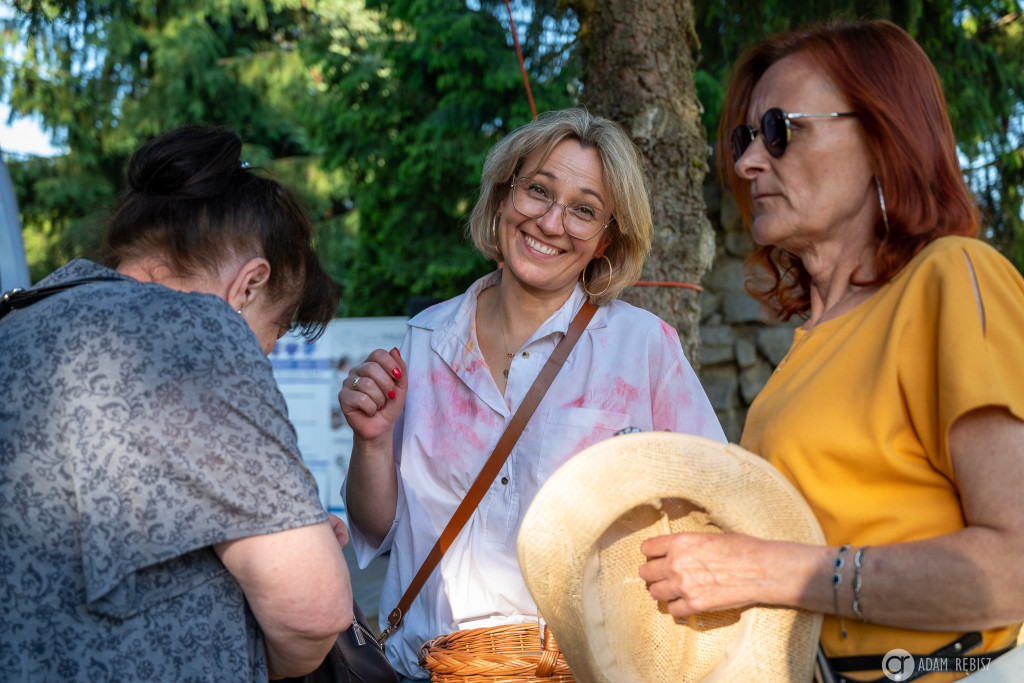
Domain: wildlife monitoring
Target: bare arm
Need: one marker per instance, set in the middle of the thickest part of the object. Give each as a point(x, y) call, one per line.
point(966, 580)
point(297, 584)
point(371, 408)
point(970, 579)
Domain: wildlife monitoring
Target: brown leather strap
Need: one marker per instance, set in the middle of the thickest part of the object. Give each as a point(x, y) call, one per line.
point(493, 465)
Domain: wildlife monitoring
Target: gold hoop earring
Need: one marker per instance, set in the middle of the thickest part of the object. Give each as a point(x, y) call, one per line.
point(607, 284)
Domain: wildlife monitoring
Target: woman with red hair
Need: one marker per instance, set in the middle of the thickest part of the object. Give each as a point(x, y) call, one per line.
point(898, 412)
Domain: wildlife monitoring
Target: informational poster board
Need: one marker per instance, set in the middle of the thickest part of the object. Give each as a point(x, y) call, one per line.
point(310, 377)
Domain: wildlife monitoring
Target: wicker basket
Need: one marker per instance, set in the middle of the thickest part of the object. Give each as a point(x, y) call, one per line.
point(496, 654)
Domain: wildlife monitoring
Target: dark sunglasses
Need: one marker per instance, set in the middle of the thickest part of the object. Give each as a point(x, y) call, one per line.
point(774, 131)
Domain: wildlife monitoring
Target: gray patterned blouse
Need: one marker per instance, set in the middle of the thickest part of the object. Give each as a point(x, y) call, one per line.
point(138, 427)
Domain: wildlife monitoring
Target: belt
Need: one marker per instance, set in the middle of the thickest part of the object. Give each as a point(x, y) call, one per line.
point(951, 654)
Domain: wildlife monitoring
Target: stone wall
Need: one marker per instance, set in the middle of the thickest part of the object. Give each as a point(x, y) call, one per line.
point(739, 351)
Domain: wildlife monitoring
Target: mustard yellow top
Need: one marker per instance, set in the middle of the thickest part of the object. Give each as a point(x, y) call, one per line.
point(858, 413)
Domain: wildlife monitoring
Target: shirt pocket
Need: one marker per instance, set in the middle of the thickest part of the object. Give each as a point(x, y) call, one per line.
point(567, 431)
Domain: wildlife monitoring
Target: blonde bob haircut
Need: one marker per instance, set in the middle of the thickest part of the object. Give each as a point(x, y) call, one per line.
point(629, 230)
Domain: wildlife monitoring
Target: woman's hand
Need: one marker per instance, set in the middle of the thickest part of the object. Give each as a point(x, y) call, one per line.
point(372, 399)
point(702, 572)
point(373, 394)
point(339, 529)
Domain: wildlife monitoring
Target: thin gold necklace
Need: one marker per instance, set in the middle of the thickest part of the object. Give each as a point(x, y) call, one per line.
point(504, 338)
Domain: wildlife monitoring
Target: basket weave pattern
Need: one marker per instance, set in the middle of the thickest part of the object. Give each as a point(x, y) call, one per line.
point(496, 654)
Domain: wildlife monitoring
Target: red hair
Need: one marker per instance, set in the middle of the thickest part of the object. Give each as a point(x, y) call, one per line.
point(895, 91)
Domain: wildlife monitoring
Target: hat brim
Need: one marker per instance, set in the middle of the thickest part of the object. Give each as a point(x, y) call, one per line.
point(579, 550)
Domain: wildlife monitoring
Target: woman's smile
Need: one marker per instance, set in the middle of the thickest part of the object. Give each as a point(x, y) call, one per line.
point(540, 247)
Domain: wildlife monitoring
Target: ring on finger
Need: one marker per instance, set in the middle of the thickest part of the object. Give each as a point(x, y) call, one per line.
point(355, 383)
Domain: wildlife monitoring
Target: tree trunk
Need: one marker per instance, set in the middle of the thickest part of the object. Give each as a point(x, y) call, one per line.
point(638, 64)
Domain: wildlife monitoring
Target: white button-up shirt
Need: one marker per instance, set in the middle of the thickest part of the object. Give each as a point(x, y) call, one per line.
point(627, 370)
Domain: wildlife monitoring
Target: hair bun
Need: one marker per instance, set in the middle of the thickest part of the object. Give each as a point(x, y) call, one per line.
point(196, 162)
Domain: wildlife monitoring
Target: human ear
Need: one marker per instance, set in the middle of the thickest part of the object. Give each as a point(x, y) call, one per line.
point(249, 281)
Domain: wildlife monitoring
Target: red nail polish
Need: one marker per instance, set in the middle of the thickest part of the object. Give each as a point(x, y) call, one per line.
point(391, 394)
point(396, 372)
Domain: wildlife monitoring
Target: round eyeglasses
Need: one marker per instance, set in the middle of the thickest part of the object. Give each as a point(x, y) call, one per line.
point(533, 199)
point(775, 131)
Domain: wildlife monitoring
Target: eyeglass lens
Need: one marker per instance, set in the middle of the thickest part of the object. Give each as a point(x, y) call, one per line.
point(774, 132)
point(534, 199)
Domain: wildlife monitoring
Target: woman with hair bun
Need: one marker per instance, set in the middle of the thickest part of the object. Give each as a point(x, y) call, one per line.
point(898, 412)
point(158, 521)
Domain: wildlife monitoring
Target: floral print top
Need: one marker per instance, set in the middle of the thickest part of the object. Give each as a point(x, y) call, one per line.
point(139, 427)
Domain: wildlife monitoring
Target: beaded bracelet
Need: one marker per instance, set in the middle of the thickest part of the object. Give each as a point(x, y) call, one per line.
point(858, 564)
point(837, 578)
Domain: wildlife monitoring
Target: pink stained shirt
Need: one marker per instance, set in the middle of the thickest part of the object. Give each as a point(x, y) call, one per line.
point(627, 370)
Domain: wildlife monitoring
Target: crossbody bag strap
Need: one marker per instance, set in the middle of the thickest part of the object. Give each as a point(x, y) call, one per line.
point(493, 465)
point(20, 298)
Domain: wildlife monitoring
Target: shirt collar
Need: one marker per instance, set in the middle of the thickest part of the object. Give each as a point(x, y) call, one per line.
point(452, 321)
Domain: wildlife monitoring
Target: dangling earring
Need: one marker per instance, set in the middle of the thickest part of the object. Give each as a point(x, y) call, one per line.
point(606, 285)
point(494, 236)
point(881, 202)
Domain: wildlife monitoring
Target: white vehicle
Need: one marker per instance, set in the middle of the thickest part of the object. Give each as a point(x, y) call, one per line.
point(13, 266)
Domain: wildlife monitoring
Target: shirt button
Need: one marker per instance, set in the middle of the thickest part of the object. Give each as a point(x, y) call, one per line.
point(526, 354)
point(504, 480)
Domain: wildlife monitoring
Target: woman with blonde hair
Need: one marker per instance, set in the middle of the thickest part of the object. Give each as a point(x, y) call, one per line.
point(564, 212)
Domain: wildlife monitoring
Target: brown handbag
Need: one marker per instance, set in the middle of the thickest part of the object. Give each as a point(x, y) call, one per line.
point(355, 657)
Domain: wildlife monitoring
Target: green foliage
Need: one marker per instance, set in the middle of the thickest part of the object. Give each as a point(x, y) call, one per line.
point(408, 108)
point(989, 70)
point(380, 113)
point(105, 76)
point(51, 193)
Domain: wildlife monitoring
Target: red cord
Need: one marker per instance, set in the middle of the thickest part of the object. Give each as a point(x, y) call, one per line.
point(686, 285)
point(522, 64)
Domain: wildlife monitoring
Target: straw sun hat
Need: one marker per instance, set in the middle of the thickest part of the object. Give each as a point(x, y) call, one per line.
point(579, 549)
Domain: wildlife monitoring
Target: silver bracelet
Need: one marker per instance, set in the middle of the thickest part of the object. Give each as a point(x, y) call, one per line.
point(837, 578)
point(858, 564)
